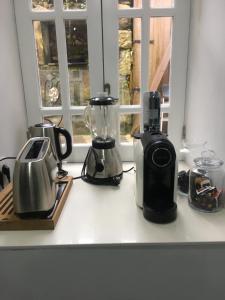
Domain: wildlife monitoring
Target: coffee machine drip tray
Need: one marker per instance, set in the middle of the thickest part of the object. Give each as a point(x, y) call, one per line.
point(159, 216)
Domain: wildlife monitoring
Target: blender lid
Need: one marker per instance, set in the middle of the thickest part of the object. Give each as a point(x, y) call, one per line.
point(103, 100)
point(100, 143)
point(208, 159)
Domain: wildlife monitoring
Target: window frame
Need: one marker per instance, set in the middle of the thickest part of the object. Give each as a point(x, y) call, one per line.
point(105, 67)
point(179, 54)
point(24, 21)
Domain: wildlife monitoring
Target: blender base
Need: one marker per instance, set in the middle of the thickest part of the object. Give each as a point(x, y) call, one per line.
point(102, 165)
point(115, 180)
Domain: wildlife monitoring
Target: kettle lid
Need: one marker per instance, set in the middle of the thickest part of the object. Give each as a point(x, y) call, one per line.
point(44, 125)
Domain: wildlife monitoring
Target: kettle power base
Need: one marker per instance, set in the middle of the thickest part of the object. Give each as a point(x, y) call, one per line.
point(10, 221)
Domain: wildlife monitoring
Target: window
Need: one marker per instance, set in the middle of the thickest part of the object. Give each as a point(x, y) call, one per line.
point(71, 48)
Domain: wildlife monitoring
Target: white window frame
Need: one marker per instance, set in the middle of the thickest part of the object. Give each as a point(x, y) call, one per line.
point(178, 70)
point(111, 14)
point(24, 20)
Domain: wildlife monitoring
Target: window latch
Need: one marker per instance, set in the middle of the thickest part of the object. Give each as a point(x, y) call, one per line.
point(107, 88)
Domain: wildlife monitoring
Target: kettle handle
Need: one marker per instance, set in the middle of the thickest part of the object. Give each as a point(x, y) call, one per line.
point(66, 134)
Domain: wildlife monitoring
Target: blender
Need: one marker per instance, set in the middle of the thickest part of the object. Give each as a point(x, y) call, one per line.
point(102, 164)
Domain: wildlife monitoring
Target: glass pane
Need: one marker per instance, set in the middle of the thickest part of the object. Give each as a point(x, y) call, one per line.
point(77, 53)
point(162, 3)
point(160, 55)
point(57, 120)
point(75, 4)
point(129, 60)
point(81, 134)
point(124, 4)
point(42, 5)
point(129, 124)
point(47, 58)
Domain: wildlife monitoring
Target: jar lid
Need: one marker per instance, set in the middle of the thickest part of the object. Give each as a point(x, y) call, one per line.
point(208, 159)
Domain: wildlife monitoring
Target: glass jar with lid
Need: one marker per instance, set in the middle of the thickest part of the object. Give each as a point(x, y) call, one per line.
point(206, 183)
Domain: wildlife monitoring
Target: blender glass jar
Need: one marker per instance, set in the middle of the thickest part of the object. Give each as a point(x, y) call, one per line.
point(206, 183)
point(102, 117)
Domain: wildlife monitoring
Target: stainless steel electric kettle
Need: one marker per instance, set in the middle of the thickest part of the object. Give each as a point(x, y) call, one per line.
point(53, 133)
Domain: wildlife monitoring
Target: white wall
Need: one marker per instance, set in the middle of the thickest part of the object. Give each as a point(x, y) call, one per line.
point(12, 112)
point(205, 110)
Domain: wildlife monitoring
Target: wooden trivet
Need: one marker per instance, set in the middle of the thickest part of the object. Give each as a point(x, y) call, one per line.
point(10, 221)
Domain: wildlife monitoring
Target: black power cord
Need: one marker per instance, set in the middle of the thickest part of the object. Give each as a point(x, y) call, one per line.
point(7, 157)
point(6, 172)
point(1, 180)
point(126, 171)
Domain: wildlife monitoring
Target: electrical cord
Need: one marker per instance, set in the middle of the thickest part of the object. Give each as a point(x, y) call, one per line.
point(78, 177)
point(50, 121)
point(1, 180)
point(60, 120)
point(7, 157)
point(5, 171)
point(126, 171)
point(83, 174)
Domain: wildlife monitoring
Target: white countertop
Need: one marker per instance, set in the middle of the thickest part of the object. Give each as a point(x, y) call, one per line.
point(97, 215)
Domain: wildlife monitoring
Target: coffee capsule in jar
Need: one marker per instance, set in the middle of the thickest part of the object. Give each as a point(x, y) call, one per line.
point(206, 183)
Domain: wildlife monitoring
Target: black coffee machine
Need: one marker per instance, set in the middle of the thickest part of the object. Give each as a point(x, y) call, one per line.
point(155, 159)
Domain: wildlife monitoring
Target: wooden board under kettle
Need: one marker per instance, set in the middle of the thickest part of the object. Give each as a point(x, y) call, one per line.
point(10, 221)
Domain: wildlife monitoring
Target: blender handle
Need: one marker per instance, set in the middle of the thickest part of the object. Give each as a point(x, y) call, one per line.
point(66, 134)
